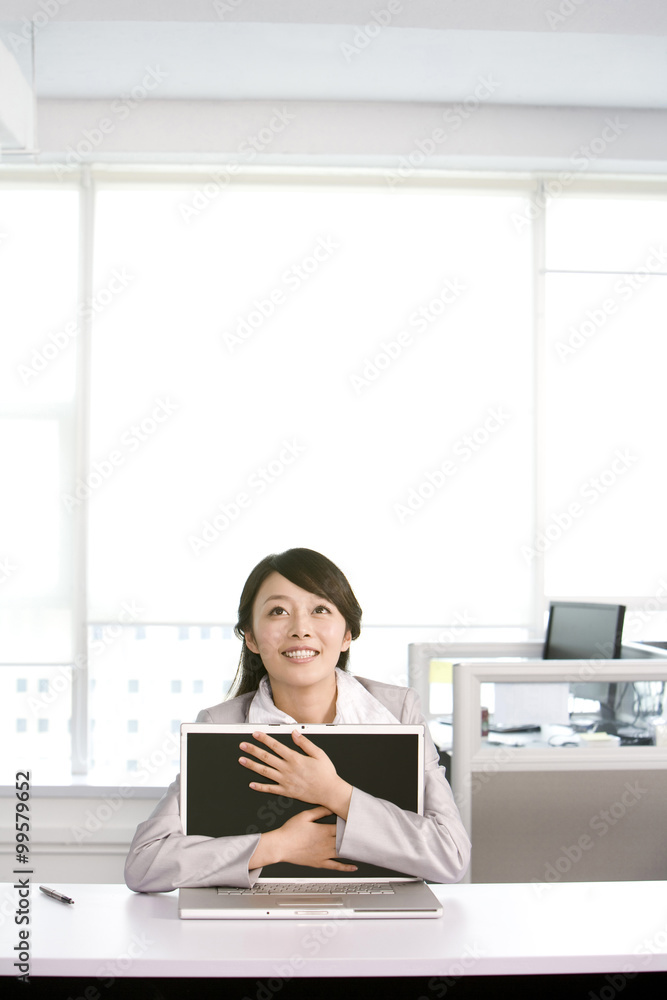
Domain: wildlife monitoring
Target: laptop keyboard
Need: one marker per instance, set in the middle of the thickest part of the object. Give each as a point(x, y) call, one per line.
point(279, 888)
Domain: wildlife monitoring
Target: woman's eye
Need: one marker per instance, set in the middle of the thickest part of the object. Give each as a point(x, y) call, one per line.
point(321, 607)
point(277, 611)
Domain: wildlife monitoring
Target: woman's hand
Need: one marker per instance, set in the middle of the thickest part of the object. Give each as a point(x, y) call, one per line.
point(301, 841)
point(309, 776)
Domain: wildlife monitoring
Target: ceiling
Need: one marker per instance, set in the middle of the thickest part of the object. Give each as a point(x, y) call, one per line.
point(603, 53)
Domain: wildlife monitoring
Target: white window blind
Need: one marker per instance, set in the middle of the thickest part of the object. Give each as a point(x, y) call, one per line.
point(38, 328)
point(605, 362)
point(342, 367)
point(303, 360)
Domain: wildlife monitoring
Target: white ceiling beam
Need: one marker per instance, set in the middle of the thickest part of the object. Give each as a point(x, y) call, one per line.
point(589, 16)
point(407, 137)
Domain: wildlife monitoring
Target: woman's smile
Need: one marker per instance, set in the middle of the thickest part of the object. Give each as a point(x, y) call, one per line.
point(292, 626)
point(301, 653)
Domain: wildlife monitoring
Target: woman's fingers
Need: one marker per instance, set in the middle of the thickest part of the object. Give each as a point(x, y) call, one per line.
point(307, 776)
point(274, 745)
point(316, 813)
point(313, 844)
point(306, 745)
point(259, 754)
point(279, 753)
point(255, 766)
point(280, 749)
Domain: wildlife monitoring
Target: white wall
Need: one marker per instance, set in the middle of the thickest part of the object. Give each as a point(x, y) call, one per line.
point(78, 838)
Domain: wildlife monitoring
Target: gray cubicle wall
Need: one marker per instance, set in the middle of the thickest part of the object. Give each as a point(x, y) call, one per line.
point(578, 823)
point(570, 826)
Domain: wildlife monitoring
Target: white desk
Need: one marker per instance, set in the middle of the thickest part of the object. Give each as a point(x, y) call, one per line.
point(486, 930)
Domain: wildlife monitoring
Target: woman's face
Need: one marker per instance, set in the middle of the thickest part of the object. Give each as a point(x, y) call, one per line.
point(298, 635)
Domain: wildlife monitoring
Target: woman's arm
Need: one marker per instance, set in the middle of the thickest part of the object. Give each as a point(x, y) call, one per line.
point(434, 846)
point(302, 841)
point(162, 857)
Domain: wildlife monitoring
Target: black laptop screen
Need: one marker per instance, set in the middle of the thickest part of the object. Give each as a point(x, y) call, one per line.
point(220, 802)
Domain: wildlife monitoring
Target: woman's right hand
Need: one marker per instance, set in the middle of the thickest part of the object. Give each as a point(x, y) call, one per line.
point(301, 841)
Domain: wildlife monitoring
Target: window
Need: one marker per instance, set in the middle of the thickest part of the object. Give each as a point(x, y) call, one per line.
point(39, 256)
point(446, 288)
point(464, 460)
point(606, 298)
point(42, 725)
point(132, 725)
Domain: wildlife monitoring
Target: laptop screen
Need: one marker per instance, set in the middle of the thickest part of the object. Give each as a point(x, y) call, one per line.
point(217, 800)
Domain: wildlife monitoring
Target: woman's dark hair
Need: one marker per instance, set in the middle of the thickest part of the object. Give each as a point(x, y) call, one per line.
point(306, 569)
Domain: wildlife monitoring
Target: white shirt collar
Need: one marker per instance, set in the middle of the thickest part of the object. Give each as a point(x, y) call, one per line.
point(354, 704)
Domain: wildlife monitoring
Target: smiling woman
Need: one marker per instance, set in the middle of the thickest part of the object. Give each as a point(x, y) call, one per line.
point(299, 639)
point(297, 618)
point(315, 595)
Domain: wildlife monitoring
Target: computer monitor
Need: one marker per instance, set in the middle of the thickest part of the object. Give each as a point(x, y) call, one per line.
point(580, 631)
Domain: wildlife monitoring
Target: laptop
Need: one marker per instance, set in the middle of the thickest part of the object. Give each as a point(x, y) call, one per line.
point(384, 760)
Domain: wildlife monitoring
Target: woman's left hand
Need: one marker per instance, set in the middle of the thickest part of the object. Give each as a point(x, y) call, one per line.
point(309, 776)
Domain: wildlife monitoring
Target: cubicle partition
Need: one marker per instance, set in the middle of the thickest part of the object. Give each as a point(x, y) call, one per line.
point(539, 812)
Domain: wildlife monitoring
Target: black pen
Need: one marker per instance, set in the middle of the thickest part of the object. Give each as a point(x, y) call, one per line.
point(56, 895)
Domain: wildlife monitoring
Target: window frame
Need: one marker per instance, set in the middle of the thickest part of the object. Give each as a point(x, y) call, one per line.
point(538, 187)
